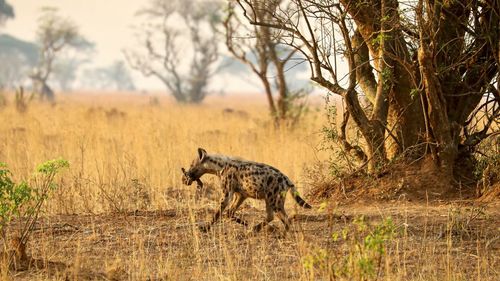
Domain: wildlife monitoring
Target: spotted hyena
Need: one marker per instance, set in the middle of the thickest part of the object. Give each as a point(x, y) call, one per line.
point(241, 179)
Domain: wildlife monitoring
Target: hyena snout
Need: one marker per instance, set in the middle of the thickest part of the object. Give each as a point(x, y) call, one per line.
point(186, 179)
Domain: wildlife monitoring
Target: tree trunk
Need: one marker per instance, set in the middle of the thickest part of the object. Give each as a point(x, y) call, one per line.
point(442, 131)
point(281, 81)
point(384, 41)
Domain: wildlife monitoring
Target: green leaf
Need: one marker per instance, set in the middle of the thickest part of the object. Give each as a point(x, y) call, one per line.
point(52, 166)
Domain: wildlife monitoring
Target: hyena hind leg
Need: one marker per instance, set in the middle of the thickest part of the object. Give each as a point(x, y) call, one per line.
point(281, 214)
point(269, 218)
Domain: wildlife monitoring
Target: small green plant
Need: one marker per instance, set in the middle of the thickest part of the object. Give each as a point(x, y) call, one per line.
point(12, 197)
point(341, 160)
point(366, 249)
point(23, 200)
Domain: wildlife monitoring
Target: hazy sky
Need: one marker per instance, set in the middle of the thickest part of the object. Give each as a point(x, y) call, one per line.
point(107, 23)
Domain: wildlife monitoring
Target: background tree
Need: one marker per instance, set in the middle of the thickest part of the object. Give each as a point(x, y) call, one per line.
point(18, 57)
point(6, 11)
point(54, 34)
point(259, 48)
point(172, 26)
point(116, 76)
point(67, 65)
point(65, 72)
point(424, 66)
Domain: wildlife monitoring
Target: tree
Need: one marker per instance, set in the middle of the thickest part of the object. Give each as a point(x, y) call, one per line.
point(172, 26)
point(54, 34)
point(12, 70)
point(64, 72)
point(264, 55)
point(66, 66)
point(7, 73)
point(18, 57)
point(116, 76)
point(424, 66)
point(6, 11)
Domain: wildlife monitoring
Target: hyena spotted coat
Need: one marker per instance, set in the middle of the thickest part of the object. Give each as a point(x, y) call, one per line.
point(245, 179)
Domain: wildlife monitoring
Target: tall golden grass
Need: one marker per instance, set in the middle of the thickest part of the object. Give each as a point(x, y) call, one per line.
point(131, 142)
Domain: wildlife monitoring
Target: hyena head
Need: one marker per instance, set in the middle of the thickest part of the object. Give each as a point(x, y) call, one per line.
point(200, 166)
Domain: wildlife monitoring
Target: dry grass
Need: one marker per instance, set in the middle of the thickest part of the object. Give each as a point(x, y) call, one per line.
point(126, 153)
point(120, 145)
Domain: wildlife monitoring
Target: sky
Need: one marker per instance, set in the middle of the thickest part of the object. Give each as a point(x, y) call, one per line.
point(109, 25)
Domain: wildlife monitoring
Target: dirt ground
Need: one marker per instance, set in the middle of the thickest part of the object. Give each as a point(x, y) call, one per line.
point(434, 241)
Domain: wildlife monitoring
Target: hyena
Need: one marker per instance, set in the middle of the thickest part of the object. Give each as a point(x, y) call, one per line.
point(243, 179)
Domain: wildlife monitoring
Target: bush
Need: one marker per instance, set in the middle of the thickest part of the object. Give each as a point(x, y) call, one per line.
point(363, 259)
point(23, 200)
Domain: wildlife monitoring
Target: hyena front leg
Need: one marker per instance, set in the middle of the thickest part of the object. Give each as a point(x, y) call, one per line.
point(224, 202)
point(234, 207)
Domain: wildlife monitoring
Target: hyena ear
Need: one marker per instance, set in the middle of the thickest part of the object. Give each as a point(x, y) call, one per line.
point(202, 153)
point(183, 171)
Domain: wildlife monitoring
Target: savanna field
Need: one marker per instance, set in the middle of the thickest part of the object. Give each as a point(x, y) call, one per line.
point(121, 212)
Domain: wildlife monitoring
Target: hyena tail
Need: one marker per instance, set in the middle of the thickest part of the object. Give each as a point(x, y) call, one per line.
point(299, 199)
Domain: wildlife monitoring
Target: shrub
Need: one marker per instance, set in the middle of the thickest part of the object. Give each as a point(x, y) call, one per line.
point(23, 200)
point(366, 249)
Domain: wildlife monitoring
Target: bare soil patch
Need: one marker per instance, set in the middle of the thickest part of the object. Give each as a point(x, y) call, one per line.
point(418, 182)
